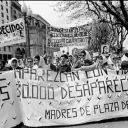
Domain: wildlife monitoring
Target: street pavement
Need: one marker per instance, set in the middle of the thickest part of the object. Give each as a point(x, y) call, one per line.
point(111, 123)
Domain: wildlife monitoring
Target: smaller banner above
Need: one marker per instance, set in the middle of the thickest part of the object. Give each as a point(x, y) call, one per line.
point(12, 33)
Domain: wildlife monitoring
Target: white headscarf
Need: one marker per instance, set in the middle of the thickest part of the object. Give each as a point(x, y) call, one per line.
point(110, 59)
point(104, 59)
point(10, 61)
point(42, 62)
point(88, 56)
point(124, 58)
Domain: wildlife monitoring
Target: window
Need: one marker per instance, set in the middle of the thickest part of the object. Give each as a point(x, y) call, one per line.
point(9, 48)
point(6, 10)
point(15, 17)
point(14, 11)
point(4, 48)
point(2, 14)
point(7, 18)
point(1, 7)
point(6, 3)
point(2, 21)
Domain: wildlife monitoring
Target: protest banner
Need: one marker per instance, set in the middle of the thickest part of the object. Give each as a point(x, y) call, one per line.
point(10, 111)
point(50, 98)
point(61, 37)
point(12, 33)
point(45, 98)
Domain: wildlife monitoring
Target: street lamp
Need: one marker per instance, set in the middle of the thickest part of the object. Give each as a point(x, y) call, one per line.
point(27, 13)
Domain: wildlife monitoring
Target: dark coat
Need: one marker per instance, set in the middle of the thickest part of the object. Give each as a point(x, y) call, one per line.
point(64, 68)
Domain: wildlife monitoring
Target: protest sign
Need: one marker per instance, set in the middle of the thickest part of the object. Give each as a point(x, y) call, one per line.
point(50, 98)
point(105, 50)
point(73, 36)
point(12, 33)
point(10, 111)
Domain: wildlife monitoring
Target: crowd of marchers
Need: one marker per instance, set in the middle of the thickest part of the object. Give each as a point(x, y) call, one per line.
point(66, 63)
point(82, 60)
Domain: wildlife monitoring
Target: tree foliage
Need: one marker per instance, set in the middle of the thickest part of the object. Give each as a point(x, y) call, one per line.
point(112, 13)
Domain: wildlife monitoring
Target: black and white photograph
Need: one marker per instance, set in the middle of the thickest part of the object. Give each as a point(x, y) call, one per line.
point(63, 64)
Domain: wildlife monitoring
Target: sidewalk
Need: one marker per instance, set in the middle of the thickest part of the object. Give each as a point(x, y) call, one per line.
point(111, 123)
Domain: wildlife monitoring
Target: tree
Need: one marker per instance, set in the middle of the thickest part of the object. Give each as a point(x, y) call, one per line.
point(114, 13)
point(100, 35)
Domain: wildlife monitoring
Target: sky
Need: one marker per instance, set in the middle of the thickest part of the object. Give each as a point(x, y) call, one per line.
point(45, 9)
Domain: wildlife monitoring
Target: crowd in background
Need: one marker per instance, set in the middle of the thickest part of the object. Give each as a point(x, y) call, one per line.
point(67, 63)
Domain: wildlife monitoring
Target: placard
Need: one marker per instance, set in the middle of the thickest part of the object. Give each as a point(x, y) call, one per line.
point(12, 33)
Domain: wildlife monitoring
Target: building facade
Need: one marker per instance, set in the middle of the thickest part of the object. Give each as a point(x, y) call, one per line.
point(9, 11)
point(16, 13)
point(37, 31)
point(15, 10)
point(5, 17)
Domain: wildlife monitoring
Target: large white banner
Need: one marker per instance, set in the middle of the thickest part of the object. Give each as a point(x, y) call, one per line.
point(46, 98)
point(10, 111)
point(49, 98)
point(12, 33)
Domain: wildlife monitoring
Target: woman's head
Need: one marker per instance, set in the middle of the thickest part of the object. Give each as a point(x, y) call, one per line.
point(29, 62)
point(105, 49)
point(49, 59)
point(70, 59)
point(14, 63)
point(83, 54)
point(63, 59)
point(36, 60)
point(57, 59)
point(102, 60)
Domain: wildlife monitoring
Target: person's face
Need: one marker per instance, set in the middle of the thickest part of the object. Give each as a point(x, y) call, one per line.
point(49, 60)
point(100, 59)
point(113, 56)
point(29, 63)
point(62, 60)
point(106, 49)
point(57, 59)
point(36, 61)
point(82, 55)
point(70, 58)
point(14, 64)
